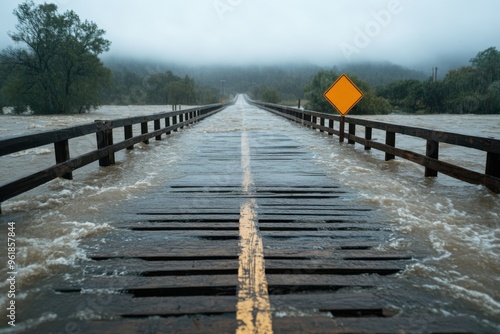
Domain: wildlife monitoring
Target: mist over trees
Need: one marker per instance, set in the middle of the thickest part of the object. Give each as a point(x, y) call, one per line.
point(56, 68)
point(468, 89)
point(134, 83)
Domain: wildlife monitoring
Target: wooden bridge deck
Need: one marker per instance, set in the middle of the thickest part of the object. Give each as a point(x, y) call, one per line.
point(254, 238)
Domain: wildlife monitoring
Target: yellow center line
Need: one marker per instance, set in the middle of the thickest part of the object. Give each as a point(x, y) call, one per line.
point(253, 311)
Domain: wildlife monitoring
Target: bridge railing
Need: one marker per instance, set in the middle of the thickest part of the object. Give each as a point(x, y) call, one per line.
point(106, 148)
point(325, 123)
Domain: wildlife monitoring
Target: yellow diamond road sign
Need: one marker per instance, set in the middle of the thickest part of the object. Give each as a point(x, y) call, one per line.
point(343, 94)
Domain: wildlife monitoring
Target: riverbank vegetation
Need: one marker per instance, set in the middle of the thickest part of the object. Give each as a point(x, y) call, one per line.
point(473, 89)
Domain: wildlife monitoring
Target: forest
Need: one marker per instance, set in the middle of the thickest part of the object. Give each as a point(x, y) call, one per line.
point(388, 88)
point(57, 69)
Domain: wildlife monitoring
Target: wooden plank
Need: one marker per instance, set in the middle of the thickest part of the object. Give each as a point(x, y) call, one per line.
point(133, 266)
point(234, 235)
point(218, 285)
point(321, 302)
point(202, 283)
point(203, 324)
point(267, 226)
point(396, 325)
point(334, 267)
point(286, 249)
point(160, 254)
point(127, 306)
point(25, 142)
point(226, 323)
point(338, 253)
point(172, 268)
point(321, 234)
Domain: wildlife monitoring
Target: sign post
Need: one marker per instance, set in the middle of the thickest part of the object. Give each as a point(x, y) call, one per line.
point(342, 129)
point(343, 95)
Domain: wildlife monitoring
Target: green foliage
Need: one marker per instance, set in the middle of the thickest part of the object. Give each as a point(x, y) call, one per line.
point(271, 96)
point(405, 95)
point(315, 89)
point(56, 69)
point(155, 88)
point(369, 104)
point(3, 77)
point(468, 89)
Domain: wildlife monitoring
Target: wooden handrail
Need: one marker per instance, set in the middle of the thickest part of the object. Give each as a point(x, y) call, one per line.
point(105, 147)
point(490, 178)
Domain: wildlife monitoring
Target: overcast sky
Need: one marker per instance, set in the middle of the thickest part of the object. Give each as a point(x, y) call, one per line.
point(413, 33)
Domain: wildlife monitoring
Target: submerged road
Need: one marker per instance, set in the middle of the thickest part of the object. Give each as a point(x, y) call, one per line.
point(254, 237)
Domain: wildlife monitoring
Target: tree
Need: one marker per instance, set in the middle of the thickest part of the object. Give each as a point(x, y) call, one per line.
point(404, 94)
point(271, 96)
point(314, 90)
point(487, 66)
point(460, 91)
point(433, 96)
point(56, 69)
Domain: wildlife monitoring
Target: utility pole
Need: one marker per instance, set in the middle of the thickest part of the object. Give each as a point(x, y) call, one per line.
point(434, 74)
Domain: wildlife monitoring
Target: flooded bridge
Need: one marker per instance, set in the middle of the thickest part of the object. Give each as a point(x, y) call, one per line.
point(253, 237)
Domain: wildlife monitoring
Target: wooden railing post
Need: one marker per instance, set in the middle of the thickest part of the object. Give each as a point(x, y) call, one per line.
point(368, 136)
point(104, 137)
point(331, 125)
point(390, 140)
point(129, 133)
point(322, 123)
point(144, 130)
point(431, 151)
point(157, 127)
point(174, 122)
point(62, 154)
point(181, 120)
point(352, 131)
point(167, 124)
point(493, 164)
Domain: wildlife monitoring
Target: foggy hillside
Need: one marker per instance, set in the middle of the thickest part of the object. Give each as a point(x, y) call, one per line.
point(289, 79)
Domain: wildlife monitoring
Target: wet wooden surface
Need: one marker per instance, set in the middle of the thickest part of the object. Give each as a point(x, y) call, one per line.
point(175, 268)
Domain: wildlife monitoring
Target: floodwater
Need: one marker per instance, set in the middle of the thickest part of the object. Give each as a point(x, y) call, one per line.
point(455, 223)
